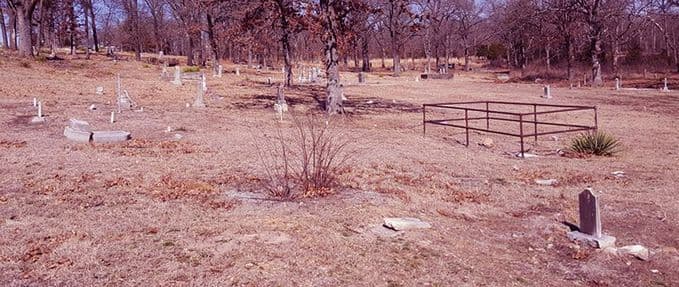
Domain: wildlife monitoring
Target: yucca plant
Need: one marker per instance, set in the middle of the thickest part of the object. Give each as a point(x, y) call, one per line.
point(596, 143)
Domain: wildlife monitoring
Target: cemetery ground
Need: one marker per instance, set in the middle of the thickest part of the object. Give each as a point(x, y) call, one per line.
point(163, 209)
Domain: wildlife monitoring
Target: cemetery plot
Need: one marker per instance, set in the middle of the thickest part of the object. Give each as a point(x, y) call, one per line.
point(533, 119)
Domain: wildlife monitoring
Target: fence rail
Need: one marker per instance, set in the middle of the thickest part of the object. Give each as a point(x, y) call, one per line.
point(493, 112)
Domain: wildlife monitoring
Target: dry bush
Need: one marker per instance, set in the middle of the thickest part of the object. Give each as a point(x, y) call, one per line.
point(306, 160)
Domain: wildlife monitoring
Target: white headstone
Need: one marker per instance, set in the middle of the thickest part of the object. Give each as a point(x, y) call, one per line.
point(237, 71)
point(617, 84)
point(665, 87)
point(39, 109)
point(35, 102)
point(548, 92)
point(199, 103)
point(220, 70)
point(113, 117)
point(177, 76)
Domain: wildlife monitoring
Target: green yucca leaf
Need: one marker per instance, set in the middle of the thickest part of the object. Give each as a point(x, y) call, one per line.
point(597, 143)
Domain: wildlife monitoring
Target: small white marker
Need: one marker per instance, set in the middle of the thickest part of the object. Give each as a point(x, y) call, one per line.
point(35, 102)
point(40, 109)
point(113, 117)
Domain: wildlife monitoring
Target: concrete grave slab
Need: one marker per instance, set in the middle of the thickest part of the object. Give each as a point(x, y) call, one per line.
point(110, 136)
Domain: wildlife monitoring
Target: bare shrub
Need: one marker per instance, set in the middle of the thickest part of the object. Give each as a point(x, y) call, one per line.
point(306, 159)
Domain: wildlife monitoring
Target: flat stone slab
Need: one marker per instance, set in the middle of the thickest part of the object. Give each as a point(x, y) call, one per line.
point(110, 136)
point(602, 242)
point(77, 135)
point(79, 125)
point(37, 120)
point(404, 223)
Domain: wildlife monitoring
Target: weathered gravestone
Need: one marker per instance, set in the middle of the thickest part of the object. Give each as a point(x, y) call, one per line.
point(281, 105)
point(39, 118)
point(177, 76)
point(547, 92)
point(665, 87)
point(199, 102)
point(590, 230)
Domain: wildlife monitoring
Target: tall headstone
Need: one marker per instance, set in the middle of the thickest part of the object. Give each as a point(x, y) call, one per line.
point(220, 70)
point(199, 102)
point(547, 92)
point(237, 71)
point(177, 76)
point(617, 84)
point(590, 230)
point(281, 105)
point(40, 109)
point(35, 102)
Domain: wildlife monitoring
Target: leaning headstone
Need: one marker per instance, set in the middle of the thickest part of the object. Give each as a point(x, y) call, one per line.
point(110, 136)
point(281, 105)
point(547, 92)
point(665, 87)
point(590, 230)
point(199, 102)
point(617, 84)
point(177, 76)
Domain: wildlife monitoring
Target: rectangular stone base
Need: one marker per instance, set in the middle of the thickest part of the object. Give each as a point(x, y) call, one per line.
point(596, 242)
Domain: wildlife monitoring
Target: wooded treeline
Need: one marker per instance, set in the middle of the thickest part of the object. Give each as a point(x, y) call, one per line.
point(512, 33)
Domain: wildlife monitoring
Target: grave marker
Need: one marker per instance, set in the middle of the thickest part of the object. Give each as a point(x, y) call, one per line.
point(199, 103)
point(665, 88)
point(547, 92)
point(177, 76)
point(590, 222)
point(617, 84)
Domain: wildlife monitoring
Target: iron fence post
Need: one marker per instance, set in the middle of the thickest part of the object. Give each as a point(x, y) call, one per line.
point(521, 134)
point(466, 125)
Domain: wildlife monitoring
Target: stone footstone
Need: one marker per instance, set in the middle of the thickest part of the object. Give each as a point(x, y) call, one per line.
point(110, 136)
point(405, 223)
point(77, 135)
point(602, 242)
point(37, 120)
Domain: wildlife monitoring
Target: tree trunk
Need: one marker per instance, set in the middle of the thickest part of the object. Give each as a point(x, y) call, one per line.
point(71, 25)
point(396, 56)
point(383, 56)
point(329, 38)
point(547, 58)
point(596, 64)
point(189, 53)
point(214, 55)
point(23, 17)
point(3, 30)
point(365, 53)
point(12, 30)
point(94, 26)
point(569, 57)
point(285, 41)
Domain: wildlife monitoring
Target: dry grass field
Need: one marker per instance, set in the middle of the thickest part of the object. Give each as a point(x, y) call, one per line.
point(160, 210)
